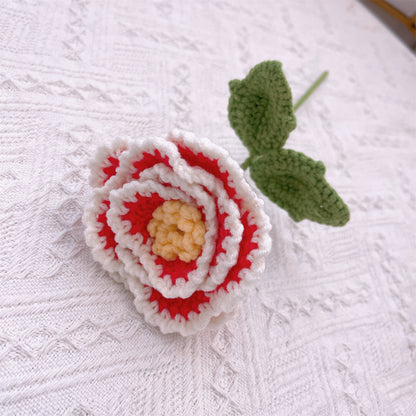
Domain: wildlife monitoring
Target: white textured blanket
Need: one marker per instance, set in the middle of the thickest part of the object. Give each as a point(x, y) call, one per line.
point(331, 328)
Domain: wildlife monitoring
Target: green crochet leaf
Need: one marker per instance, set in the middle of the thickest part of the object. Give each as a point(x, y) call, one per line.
point(297, 184)
point(260, 108)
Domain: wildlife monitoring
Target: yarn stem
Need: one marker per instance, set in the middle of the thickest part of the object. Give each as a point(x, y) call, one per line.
point(311, 89)
point(246, 163)
point(249, 160)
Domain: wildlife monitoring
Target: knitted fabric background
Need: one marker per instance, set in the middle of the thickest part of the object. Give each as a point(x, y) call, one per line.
point(331, 326)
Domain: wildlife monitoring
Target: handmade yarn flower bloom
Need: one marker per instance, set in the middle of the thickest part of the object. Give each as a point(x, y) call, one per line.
point(176, 222)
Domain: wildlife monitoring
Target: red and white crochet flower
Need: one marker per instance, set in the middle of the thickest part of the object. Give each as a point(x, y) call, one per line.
point(176, 222)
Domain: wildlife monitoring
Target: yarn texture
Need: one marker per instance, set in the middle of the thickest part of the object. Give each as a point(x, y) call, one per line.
point(330, 327)
point(176, 222)
point(261, 112)
point(296, 183)
point(177, 230)
point(260, 108)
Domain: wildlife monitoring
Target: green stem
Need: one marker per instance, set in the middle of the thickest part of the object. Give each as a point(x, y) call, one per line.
point(311, 89)
point(246, 163)
point(249, 160)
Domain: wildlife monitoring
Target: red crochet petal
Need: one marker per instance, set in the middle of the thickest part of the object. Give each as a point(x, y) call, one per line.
point(247, 245)
point(179, 306)
point(222, 234)
point(176, 268)
point(106, 231)
point(179, 269)
point(110, 163)
point(141, 212)
point(147, 161)
point(139, 215)
point(210, 165)
point(111, 169)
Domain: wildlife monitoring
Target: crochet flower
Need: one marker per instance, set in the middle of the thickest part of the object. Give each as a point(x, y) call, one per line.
point(176, 222)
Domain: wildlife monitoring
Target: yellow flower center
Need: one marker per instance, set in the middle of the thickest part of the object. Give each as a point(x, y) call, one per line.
point(177, 230)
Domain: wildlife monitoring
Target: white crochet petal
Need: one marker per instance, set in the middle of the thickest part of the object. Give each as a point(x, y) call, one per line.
point(114, 264)
point(143, 167)
point(98, 176)
point(249, 200)
point(220, 307)
point(156, 150)
point(214, 273)
point(127, 153)
point(142, 251)
point(105, 256)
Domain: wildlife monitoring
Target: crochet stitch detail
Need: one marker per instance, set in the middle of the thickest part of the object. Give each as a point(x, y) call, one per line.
point(261, 112)
point(260, 108)
point(200, 184)
point(178, 231)
point(296, 183)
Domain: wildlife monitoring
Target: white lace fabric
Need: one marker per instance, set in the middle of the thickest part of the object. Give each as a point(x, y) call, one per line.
point(330, 328)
